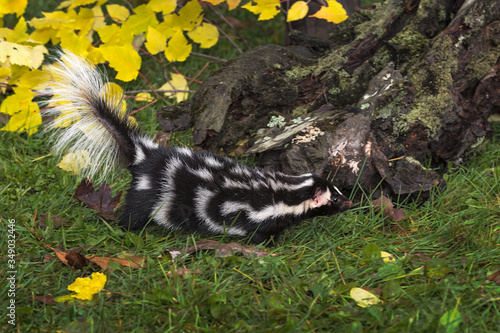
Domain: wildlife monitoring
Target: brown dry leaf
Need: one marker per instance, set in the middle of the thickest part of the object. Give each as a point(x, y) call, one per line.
point(74, 260)
point(46, 299)
point(388, 211)
point(100, 200)
point(495, 277)
point(132, 261)
point(221, 249)
point(57, 221)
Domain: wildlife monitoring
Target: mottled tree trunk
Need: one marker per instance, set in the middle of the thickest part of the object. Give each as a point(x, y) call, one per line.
point(395, 92)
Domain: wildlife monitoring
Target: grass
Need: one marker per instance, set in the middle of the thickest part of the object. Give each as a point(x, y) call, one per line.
point(305, 287)
point(444, 252)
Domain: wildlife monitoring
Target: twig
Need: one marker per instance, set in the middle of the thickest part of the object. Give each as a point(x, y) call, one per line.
point(208, 57)
point(227, 36)
point(219, 14)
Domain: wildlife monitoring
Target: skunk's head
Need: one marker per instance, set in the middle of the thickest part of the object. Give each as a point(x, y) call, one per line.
point(326, 199)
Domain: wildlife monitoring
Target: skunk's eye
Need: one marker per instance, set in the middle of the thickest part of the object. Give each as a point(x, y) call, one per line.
point(335, 199)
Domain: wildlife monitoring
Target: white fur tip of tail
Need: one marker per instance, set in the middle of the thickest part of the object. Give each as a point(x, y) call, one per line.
point(78, 97)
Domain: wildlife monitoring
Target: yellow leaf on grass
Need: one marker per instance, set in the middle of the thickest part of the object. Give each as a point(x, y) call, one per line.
point(178, 82)
point(178, 48)
point(75, 162)
point(205, 34)
point(156, 41)
point(267, 9)
point(13, 7)
point(233, 4)
point(387, 257)
point(164, 6)
point(86, 288)
point(298, 11)
point(124, 59)
point(333, 13)
point(364, 298)
point(117, 12)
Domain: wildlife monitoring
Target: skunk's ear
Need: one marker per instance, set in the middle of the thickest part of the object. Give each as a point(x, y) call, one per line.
point(322, 196)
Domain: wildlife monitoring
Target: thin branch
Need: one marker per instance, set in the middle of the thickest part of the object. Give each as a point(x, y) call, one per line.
point(219, 14)
point(225, 35)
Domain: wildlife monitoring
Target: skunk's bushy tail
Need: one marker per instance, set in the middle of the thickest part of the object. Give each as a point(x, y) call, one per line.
point(90, 117)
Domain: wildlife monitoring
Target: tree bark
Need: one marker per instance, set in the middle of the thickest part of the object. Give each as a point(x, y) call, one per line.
point(396, 92)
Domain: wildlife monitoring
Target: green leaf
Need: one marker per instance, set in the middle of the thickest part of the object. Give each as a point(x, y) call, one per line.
point(451, 319)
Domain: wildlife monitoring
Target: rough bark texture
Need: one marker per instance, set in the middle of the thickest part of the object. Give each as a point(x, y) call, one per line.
point(395, 92)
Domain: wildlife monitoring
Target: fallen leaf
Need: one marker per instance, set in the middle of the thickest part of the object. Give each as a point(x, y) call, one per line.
point(495, 277)
point(86, 288)
point(57, 221)
point(221, 249)
point(46, 299)
point(132, 261)
point(385, 205)
point(100, 200)
point(436, 269)
point(364, 298)
point(76, 260)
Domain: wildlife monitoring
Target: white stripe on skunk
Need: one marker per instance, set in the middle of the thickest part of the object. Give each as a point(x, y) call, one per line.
point(177, 188)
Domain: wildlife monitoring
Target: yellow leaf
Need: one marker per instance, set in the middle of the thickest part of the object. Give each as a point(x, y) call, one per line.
point(205, 34)
point(178, 48)
point(20, 32)
point(22, 55)
point(164, 6)
point(13, 7)
point(74, 43)
point(99, 21)
point(4, 73)
point(267, 9)
point(14, 103)
point(118, 13)
point(190, 16)
point(141, 20)
point(77, 3)
point(233, 4)
point(156, 41)
point(387, 257)
point(113, 93)
point(178, 82)
point(86, 288)
point(298, 11)
point(25, 114)
point(75, 162)
point(144, 97)
point(33, 79)
point(43, 36)
point(364, 298)
point(333, 13)
point(214, 2)
point(124, 59)
point(113, 35)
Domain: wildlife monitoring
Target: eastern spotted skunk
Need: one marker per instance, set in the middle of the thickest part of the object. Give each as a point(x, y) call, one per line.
point(177, 188)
